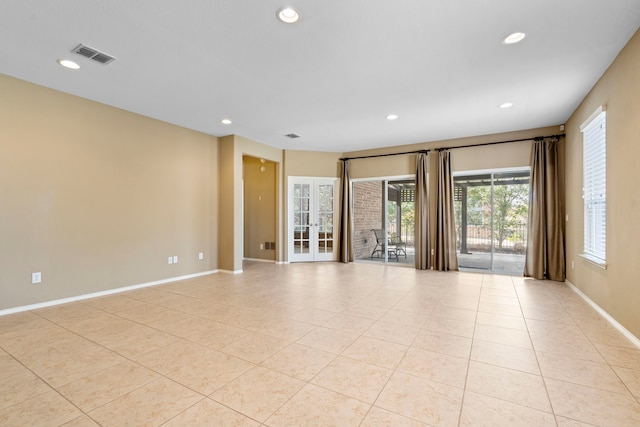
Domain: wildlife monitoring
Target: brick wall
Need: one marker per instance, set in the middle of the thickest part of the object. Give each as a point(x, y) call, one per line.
point(368, 214)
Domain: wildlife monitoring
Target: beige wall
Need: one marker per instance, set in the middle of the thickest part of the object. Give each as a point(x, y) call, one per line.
point(616, 289)
point(259, 207)
point(97, 198)
point(231, 219)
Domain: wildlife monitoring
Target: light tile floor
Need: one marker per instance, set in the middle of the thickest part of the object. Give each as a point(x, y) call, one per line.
point(321, 344)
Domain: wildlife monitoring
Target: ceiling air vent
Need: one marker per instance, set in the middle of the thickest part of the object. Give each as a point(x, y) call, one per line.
point(292, 135)
point(91, 53)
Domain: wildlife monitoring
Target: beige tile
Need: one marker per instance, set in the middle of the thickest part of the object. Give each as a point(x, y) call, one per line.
point(299, 361)
point(255, 347)
point(566, 422)
point(503, 336)
point(19, 342)
point(132, 340)
point(484, 411)
point(399, 317)
point(506, 384)
point(461, 328)
point(315, 406)
point(630, 378)
point(355, 379)
point(443, 312)
point(149, 405)
point(350, 324)
point(504, 309)
point(113, 303)
point(329, 340)
point(506, 356)
point(378, 417)
point(376, 352)
point(313, 315)
point(42, 410)
point(439, 342)
point(23, 322)
point(258, 392)
point(210, 413)
point(213, 334)
point(17, 383)
point(288, 330)
point(502, 321)
point(420, 399)
point(623, 357)
point(173, 356)
point(592, 405)
point(392, 332)
point(82, 421)
point(210, 372)
point(578, 347)
point(579, 371)
point(69, 360)
point(109, 384)
point(366, 311)
point(436, 367)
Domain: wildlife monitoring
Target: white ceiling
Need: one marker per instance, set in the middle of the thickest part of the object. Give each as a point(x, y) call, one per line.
point(334, 76)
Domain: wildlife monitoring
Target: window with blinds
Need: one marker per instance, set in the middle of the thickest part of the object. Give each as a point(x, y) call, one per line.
point(595, 186)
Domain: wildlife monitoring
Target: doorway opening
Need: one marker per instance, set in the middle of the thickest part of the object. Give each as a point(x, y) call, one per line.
point(492, 211)
point(383, 212)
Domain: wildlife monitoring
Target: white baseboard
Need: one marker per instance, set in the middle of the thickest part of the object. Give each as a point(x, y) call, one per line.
point(270, 261)
point(230, 271)
point(634, 340)
point(282, 262)
point(102, 293)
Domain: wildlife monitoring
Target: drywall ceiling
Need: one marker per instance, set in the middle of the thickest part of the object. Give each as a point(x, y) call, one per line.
point(333, 77)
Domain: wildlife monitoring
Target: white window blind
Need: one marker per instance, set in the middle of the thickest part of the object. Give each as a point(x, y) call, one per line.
point(595, 186)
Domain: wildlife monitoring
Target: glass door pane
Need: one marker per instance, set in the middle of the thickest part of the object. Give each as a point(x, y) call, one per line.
point(473, 201)
point(325, 218)
point(384, 221)
point(301, 218)
point(510, 215)
point(491, 220)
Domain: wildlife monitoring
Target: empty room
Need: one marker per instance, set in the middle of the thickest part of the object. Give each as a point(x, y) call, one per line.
point(267, 213)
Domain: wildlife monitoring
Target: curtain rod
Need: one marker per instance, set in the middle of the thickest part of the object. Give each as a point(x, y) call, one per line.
point(537, 138)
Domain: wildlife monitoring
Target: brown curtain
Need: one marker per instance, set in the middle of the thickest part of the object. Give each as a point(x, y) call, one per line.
point(545, 246)
point(346, 249)
point(422, 237)
point(446, 258)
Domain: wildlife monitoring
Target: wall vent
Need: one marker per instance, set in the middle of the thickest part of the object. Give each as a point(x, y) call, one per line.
point(292, 135)
point(94, 54)
point(270, 246)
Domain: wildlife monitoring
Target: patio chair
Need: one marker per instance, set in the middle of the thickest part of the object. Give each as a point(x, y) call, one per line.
point(383, 244)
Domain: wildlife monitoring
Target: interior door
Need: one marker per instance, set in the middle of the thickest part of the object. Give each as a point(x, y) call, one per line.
point(312, 207)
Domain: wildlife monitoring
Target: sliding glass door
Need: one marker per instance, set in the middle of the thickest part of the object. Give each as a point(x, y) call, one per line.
point(384, 220)
point(491, 220)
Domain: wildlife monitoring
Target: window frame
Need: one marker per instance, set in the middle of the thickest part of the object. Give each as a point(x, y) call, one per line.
point(594, 184)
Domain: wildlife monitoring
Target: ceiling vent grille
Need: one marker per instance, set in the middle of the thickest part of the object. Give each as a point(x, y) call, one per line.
point(94, 54)
point(292, 135)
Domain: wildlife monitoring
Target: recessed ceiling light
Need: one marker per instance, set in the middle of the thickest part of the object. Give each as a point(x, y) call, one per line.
point(68, 64)
point(288, 15)
point(506, 105)
point(226, 121)
point(392, 116)
point(514, 38)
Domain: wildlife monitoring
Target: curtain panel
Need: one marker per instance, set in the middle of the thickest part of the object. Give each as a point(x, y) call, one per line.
point(346, 248)
point(422, 237)
point(446, 257)
point(545, 257)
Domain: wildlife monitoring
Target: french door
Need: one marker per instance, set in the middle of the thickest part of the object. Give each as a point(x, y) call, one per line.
point(312, 207)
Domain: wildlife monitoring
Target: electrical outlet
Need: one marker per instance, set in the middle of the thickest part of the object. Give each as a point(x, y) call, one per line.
point(175, 259)
point(433, 251)
point(261, 246)
point(170, 260)
point(200, 255)
point(572, 265)
point(36, 277)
